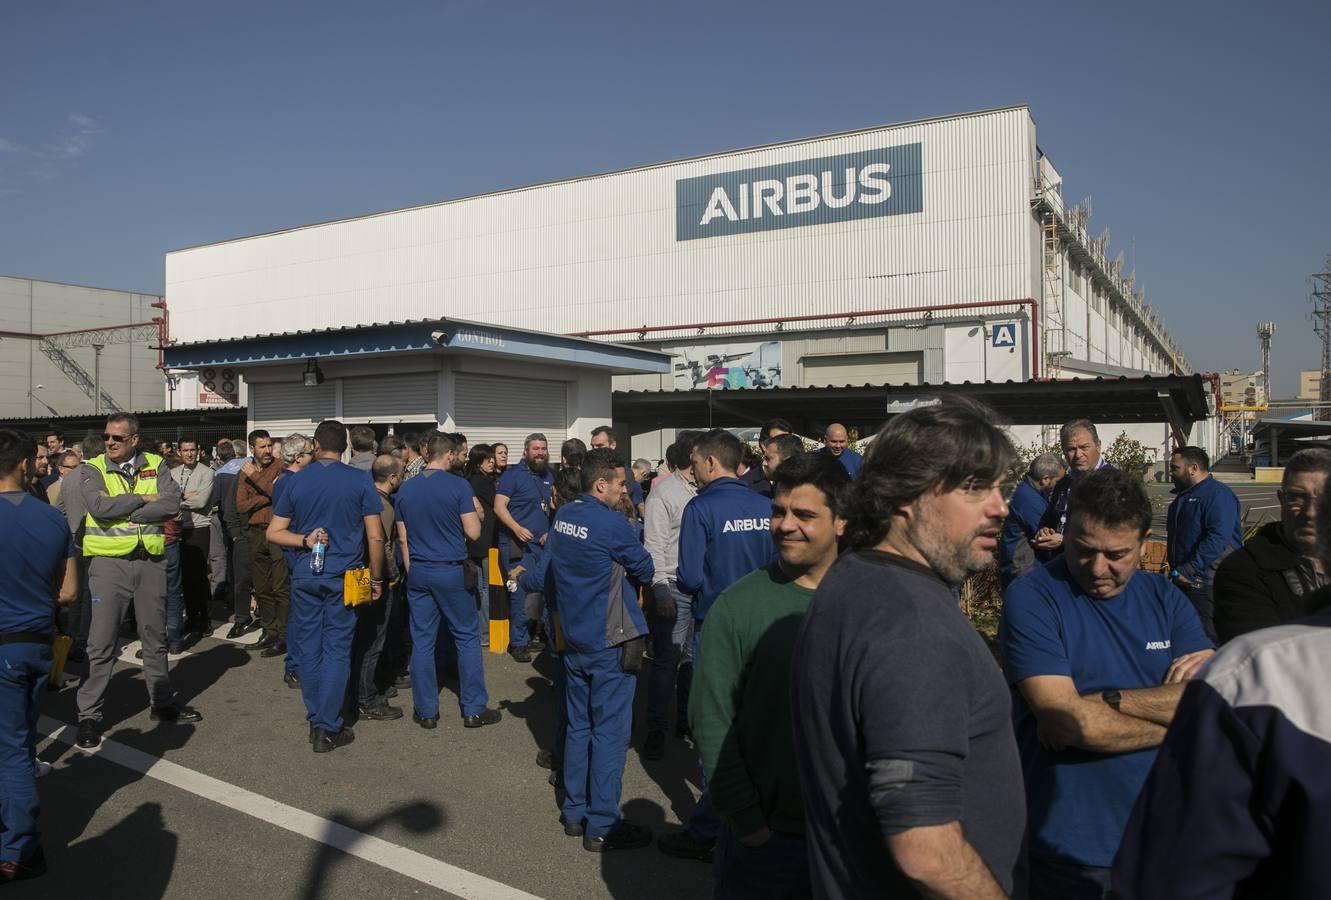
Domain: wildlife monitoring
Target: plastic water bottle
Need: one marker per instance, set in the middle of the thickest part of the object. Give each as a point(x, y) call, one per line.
point(317, 557)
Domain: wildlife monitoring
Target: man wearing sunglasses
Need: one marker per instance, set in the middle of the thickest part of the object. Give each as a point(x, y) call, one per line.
point(129, 495)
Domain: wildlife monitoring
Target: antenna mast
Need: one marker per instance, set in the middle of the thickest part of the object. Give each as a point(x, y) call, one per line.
point(1320, 298)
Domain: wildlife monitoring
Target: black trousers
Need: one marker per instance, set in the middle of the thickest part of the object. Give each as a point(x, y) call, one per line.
point(194, 583)
point(366, 647)
point(242, 584)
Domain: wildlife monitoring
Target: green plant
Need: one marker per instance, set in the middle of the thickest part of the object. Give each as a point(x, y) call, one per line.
point(1129, 456)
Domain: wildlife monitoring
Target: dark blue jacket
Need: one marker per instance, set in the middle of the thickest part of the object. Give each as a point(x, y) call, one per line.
point(1025, 510)
point(1056, 514)
point(848, 458)
point(725, 534)
point(592, 555)
point(1204, 524)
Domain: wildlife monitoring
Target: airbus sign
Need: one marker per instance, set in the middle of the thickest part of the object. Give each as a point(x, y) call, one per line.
point(870, 183)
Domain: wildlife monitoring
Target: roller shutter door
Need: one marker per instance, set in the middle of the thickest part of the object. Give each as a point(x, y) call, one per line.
point(284, 408)
point(488, 409)
point(838, 370)
point(413, 396)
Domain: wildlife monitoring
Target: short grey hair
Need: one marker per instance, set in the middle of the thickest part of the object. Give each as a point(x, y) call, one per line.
point(293, 446)
point(1313, 459)
point(534, 436)
point(1078, 425)
point(1046, 464)
point(241, 447)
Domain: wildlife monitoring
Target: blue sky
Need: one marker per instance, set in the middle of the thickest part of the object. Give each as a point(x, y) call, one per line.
point(1201, 130)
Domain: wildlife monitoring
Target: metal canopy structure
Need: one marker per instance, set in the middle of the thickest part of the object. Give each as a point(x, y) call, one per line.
point(417, 336)
point(1178, 400)
point(1274, 429)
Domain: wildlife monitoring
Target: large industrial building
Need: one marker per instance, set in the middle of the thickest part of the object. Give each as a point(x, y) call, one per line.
point(934, 251)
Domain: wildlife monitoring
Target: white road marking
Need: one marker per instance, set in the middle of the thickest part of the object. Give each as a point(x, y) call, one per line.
point(393, 857)
point(127, 654)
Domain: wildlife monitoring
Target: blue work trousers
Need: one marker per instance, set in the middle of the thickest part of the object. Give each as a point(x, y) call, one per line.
point(24, 670)
point(672, 643)
point(704, 823)
point(323, 628)
point(175, 596)
point(1054, 880)
point(518, 635)
point(599, 701)
point(437, 591)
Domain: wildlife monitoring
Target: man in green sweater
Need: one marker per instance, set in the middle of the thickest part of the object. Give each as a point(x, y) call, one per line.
point(740, 706)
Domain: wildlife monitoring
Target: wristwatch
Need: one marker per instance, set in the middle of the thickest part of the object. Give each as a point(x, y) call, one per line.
point(1113, 698)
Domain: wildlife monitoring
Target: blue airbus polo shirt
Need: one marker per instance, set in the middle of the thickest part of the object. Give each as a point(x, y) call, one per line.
point(1025, 510)
point(431, 506)
point(528, 497)
point(37, 543)
point(335, 497)
point(1078, 802)
point(724, 534)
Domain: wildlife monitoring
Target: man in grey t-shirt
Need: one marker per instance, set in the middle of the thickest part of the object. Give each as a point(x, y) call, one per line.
point(910, 773)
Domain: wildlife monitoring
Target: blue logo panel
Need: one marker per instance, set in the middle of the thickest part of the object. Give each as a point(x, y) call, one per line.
point(871, 183)
point(1004, 335)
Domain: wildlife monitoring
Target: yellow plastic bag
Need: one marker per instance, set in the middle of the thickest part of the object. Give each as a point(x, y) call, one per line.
point(356, 587)
point(59, 654)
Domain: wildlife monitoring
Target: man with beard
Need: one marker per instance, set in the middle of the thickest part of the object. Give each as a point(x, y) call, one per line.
point(1097, 652)
point(1204, 525)
point(908, 770)
point(522, 506)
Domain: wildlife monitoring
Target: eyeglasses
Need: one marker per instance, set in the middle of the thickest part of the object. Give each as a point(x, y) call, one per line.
point(980, 488)
point(119, 438)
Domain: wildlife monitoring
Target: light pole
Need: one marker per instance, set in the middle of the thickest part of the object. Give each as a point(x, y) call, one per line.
point(38, 387)
point(97, 379)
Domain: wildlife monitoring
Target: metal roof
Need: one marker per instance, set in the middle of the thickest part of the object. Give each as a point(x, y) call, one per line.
point(1176, 399)
point(413, 335)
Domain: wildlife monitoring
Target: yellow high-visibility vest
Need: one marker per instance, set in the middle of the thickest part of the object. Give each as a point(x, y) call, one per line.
point(120, 537)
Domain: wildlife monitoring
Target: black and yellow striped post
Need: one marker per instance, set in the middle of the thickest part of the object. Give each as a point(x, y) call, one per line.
point(498, 604)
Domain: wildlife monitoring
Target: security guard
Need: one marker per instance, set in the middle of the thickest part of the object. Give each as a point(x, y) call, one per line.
point(332, 504)
point(129, 495)
point(723, 536)
point(593, 555)
point(38, 561)
point(437, 513)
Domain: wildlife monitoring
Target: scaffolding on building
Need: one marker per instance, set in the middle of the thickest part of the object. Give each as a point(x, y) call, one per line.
point(1320, 298)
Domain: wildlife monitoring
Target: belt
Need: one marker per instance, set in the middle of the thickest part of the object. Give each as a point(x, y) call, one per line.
point(26, 637)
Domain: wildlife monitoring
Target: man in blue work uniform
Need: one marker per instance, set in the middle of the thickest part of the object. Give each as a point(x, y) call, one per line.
point(1025, 510)
point(1204, 526)
point(836, 442)
point(436, 514)
point(1081, 449)
point(37, 566)
point(723, 536)
point(297, 453)
point(336, 505)
point(594, 562)
point(522, 506)
point(604, 438)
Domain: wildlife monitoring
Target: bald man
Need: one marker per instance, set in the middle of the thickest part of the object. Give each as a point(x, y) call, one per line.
point(836, 442)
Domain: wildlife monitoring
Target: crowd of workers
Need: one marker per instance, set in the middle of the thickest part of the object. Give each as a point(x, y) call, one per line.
point(799, 607)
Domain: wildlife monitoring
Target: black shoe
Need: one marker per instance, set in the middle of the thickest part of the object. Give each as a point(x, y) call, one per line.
point(174, 649)
point(624, 836)
point(390, 693)
point(535, 645)
point(402, 681)
point(683, 732)
point(520, 654)
point(265, 641)
point(545, 759)
point(555, 780)
point(239, 629)
point(278, 648)
point(25, 869)
point(486, 717)
point(432, 722)
point(292, 680)
point(90, 734)
point(326, 743)
point(654, 746)
point(681, 845)
point(574, 830)
point(313, 730)
point(176, 714)
point(138, 654)
point(380, 712)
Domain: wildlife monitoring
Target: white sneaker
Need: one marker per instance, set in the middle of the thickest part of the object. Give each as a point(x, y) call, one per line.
point(40, 769)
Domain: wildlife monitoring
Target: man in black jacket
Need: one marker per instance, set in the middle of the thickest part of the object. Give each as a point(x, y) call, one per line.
point(1269, 581)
